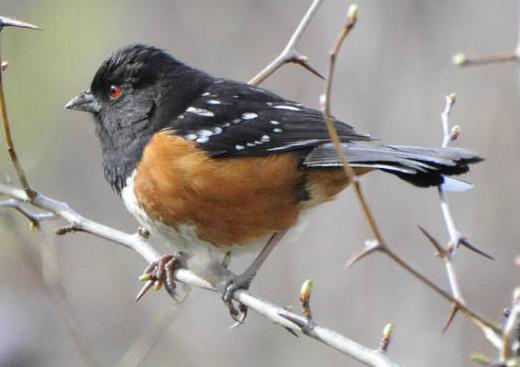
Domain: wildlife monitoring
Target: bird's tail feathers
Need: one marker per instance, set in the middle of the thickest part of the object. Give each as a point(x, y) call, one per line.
point(421, 166)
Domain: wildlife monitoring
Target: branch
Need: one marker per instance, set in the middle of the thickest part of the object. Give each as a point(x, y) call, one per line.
point(7, 22)
point(290, 53)
point(461, 59)
point(136, 242)
point(512, 325)
point(379, 244)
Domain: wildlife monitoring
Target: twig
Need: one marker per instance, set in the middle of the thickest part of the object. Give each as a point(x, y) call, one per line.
point(379, 244)
point(34, 218)
point(7, 22)
point(290, 53)
point(512, 325)
point(454, 234)
point(461, 59)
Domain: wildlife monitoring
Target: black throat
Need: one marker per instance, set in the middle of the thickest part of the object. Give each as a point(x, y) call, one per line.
point(123, 143)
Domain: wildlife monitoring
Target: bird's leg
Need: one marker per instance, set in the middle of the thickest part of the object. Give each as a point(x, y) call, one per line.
point(161, 272)
point(243, 280)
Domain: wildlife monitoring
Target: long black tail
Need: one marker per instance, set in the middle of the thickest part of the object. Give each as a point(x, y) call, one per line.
point(421, 166)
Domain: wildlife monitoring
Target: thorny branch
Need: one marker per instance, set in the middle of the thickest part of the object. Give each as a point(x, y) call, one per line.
point(290, 53)
point(379, 243)
point(7, 22)
point(76, 222)
point(275, 313)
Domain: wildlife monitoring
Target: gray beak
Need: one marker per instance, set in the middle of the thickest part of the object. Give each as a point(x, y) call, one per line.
point(84, 102)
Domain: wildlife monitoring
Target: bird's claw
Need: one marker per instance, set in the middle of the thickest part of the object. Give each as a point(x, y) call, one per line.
point(160, 273)
point(237, 310)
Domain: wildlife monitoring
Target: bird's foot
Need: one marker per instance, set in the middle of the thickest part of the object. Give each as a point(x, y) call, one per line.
point(237, 310)
point(160, 273)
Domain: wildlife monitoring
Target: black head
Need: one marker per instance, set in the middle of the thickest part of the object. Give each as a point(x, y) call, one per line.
point(136, 92)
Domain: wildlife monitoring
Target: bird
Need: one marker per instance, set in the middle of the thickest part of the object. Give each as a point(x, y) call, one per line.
point(216, 167)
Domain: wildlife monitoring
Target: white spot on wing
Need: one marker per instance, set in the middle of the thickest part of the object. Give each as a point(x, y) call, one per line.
point(249, 115)
point(294, 145)
point(274, 122)
point(277, 130)
point(205, 132)
point(285, 107)
point(202, 139)
point(265, 138)
point(217, 130)
point(190, 136)
point(239, 147)
point(200, 111)
point(213, 101)
point(205, 94)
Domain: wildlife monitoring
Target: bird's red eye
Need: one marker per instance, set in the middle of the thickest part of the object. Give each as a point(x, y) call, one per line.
point(115, 91)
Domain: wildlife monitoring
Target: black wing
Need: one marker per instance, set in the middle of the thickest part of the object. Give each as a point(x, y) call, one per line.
point(235, 119)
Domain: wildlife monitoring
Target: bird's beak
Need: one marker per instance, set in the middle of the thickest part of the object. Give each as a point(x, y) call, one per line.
point(84, 102)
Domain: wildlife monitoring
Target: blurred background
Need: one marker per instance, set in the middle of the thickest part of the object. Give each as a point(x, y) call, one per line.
point(391, 78)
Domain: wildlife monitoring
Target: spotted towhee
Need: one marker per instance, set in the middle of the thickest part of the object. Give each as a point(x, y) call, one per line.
point(212, 165)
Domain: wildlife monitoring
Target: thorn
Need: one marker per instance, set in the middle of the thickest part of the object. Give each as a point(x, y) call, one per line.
point(370, 247)
point(4, 65)
point(294, 333)
point(459, 59)
point(9, 22)
point(464, 242)
point(302, 60)
point(453, 312)
point(440, 252)
point(144, 290)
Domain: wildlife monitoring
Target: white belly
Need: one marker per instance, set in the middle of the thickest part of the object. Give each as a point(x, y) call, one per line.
point(183, 237)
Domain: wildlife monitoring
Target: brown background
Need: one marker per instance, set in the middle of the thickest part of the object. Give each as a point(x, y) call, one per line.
point(391, 78)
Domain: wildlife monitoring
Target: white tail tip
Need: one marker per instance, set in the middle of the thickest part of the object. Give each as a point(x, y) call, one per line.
point(453, 185)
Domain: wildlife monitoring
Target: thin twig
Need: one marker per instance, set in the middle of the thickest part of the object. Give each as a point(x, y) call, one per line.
point(512, 324)
point(461, 59)
point(290, 53)
point(7, 22)
point(380, 244)
point(34, 218)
